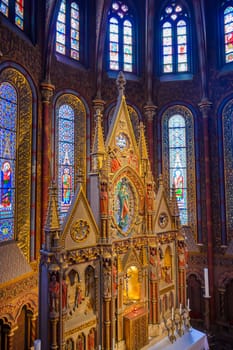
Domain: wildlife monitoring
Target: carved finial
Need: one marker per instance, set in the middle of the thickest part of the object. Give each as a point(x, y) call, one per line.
point(160, 180)
point(98, 149)
point(121, 82)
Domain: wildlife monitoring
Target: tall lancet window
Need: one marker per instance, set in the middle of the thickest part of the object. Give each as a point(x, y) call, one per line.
point(70, 148)
point(8, 125)
point(228, 33)
point(121, 38)
point(65, 156)
point(14, 10)
point(178, 162)
point(175, 48)
point(68, 30)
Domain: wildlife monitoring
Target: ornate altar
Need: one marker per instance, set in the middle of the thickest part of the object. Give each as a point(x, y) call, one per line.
point(119, 259)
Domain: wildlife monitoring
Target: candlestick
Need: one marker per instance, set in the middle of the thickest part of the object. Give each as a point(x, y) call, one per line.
point(173, 313)
point(180, 309)
point(188, 304)
point(37, 344)
point(206, 278)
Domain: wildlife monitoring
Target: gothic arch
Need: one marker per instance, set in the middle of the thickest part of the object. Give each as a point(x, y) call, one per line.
point(25, 151)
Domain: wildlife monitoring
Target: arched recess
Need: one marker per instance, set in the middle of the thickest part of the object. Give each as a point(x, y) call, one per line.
point(189, 155)
point(70, 134)
point(25, 161)
point(225, 170)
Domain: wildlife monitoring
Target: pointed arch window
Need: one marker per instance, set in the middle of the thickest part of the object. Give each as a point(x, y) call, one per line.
point(70, 148)
point(228, 31)
point(14, 10)
point(68, 29)
point(17, 149)
point(175, 27)
point(121, 38)
point(179, 161)
point(8, 125)
point(65, 156)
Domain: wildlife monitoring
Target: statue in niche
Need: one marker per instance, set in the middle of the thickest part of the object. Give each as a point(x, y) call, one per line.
point(91, 340)
point(69, 345)
point(81, 342)
point(115, 163)
point(153, 263)
point(103, 198)
point(74, 293)
point(132, 287)
point(54, 294)
point(182, 254)
point(90, 287)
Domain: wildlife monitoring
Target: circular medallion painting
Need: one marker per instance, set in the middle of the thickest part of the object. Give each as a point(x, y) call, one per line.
point(163, 220)
point(123, 205)
point(122, 141)
point(80, 230)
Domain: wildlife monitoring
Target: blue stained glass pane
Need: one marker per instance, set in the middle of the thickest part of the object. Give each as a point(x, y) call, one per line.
point(6, 230)
point(167, 68)
point(128, 67)
point(60, 48)
point(8, 92)
point(113, 28)
point(167, 41)
point(67, 131)
point(61, 38)
point(74, 5)
point(67, 112)
point(8, 113)
point(4, 9)
point(176, 137)
point(19, 10)
point(113, 37)
point(176, 121)
point(19, 22)
point(74, 23)
point(114, 65)
point(182, 58)
point(114, 47)
point(74, 34)
point(61, 17)
point(66, 155)
point(74, 54)
point(7, 144)
point(74, 44)
point(61, 27)
point(182, 39)
point(167, 32)
point(114, 56)
point(167, 60)
point(128, 49)
point(182, 67)
point(63, 6)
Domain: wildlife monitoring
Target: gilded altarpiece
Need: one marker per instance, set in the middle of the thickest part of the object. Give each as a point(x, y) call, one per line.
point(190, 160)
point(23, 157)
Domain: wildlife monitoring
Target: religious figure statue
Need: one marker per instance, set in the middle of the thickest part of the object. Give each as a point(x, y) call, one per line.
point(182, 254)
point(153, 263)
point(103, 198)
point(91, 340)
point(54, 294)
point(150, 197)
point(124, 205)
point(115, 164)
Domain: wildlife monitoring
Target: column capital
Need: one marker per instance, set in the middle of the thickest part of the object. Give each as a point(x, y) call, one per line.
point(205, 106)
point(47, 91)
point(98, 104)
point(150, 111)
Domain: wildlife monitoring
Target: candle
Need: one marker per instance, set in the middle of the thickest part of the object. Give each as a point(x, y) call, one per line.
point(173, 313)
point(37, 344)
point(206, 278)
point(188, 304)
point(180, 309)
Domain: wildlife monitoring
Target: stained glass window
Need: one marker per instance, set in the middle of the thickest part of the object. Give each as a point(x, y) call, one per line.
point(68, 30)
point(228, 34)
point(8, 123)
point(13, 9)
point(178, 162)
point(65, 156)
point(175, 39)
point(121, 43)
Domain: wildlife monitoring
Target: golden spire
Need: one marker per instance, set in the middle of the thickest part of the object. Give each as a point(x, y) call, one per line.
point(98, 149)
point(52, 225)
point(143, 149)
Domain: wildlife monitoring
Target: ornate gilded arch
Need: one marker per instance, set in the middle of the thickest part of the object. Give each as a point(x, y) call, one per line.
point(191, 172)
point(23, 156)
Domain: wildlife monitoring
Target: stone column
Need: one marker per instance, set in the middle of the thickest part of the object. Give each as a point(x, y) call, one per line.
point(54, 344)
point(107, 298)
point(33, 319)
point(150, 111)
point(46, 172)
point(205, 107)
